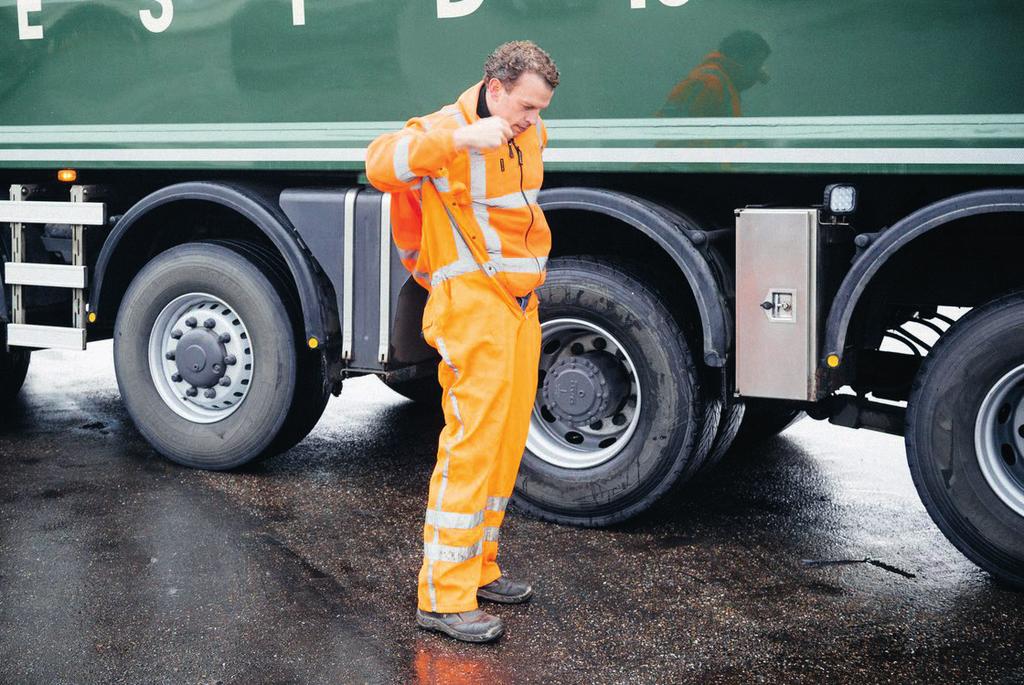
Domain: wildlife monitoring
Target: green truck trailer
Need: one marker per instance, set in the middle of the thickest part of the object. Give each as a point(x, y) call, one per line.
point(759, 210)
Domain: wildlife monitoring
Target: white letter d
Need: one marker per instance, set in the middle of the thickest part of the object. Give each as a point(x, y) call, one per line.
point(452, 9)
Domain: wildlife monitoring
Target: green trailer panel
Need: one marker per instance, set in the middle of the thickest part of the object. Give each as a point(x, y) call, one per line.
point(275, 84)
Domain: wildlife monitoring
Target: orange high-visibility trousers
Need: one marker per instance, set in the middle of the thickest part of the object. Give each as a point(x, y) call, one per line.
point(490, 351)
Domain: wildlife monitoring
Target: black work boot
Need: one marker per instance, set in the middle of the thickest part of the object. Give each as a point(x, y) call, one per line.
point(506, 591)
point(468, 626)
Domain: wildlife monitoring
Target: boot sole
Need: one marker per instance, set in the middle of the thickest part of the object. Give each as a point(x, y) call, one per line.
point(439, 626)
point(505, 599)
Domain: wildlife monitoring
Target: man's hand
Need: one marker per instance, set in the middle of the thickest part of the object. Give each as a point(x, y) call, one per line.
point(485, 134)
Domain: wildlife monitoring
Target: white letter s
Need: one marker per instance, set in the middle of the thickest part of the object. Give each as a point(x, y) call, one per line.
point(452, 9)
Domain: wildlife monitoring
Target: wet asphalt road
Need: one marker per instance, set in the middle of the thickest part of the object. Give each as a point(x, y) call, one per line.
point(117, 566)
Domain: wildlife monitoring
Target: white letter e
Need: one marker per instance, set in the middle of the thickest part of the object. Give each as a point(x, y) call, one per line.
point(25, 30)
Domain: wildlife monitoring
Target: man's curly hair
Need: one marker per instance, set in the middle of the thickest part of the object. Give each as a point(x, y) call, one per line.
point(512, 60)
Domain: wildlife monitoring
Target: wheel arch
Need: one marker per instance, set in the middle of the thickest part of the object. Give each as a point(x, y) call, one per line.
point(675, 235)
point(891, 242)
point(255, 206)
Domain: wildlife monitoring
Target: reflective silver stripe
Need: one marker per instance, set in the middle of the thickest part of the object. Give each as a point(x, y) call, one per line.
point(447, 519)
point(455, 113)
point(401, 161)
point(431, 590)
point(454, 555)
point(510, 201)
point(408, 254)
point(491, 534)
point(462, 251)
point(456, 268)
point(519, 265)
point(441, 183)
point(497, 503)
point(478, 190)
point(348, 276)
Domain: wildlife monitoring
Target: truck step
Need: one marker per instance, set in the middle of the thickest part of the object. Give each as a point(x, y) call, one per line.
point(22, 212)
point(45, 337)
point(43, 212)
point(49, 275)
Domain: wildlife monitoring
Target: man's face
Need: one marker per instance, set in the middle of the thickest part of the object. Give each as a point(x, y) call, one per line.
point(521, 104)
point(746, 76)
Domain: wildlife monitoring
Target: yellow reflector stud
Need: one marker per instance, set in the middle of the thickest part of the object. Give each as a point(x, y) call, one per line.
point(92, 317)
point(67, 175)
point(832, 361)
point(313, 343)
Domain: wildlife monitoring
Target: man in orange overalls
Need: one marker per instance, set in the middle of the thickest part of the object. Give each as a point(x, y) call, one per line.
point(464, 183)
point(713, 88)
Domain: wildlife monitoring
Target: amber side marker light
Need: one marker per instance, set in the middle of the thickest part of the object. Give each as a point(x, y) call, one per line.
point(67, 175)
point(313, 343)
point(92, 317)
point(832, 361)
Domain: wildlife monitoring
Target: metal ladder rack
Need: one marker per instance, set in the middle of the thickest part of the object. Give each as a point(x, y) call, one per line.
point(21, 212)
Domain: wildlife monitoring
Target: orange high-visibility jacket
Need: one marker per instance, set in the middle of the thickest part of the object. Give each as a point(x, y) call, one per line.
point(491, 196)
point(707, 91)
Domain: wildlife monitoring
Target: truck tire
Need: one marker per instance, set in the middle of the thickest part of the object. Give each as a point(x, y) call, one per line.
point(643, 431)
point(311, 396)
point(232, 319)
point(312, 391)
point(13, 369)
point(965, 436)
point(728, 428)
point(425, 391)
point(763, 419)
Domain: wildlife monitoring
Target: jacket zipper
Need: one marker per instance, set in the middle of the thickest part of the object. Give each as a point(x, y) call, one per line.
point(522, 191)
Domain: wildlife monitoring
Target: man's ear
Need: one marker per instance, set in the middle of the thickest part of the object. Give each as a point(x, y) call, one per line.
point(495, 87)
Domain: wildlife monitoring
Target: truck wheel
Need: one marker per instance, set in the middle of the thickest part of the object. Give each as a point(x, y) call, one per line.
point(425, 391)
point(312, 391)
point(204, 355)
point(965, 436)
point(728, 428)
point(311, 396)
point(13, 368)
point(763, 419)
point(640, 429)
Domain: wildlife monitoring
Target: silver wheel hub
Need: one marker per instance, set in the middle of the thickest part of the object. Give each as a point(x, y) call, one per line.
point(999, 439)
point(588, 399)
point(200, 358)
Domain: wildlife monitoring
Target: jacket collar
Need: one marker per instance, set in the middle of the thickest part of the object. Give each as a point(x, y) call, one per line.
point(467, 103)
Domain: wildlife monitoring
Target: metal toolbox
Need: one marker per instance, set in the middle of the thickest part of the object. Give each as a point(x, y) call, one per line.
point(777, 255)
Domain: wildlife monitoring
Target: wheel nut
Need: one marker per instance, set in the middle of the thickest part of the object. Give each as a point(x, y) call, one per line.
point(176, 378)
point(225, 337)
point(210, 394)
point(190, 322)
point(209, 323)
point(176, 334)
point(225, 381)
point(191, 392)
point(170, 355)
point(230, 360)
